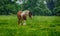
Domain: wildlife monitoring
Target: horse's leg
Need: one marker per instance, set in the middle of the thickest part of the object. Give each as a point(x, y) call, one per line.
point(24, 20)
point(18, 21)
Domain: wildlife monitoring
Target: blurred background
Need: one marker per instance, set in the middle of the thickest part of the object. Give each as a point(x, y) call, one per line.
point(45, 22)
point(37, 7)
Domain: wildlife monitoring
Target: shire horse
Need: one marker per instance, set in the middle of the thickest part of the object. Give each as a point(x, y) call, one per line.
point(22, 16)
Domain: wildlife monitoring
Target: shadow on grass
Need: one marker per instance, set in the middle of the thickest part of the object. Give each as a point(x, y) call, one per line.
point(58, 24)
point(7, 32)
point(52, 25)
point(54, 33)
point(3, 23)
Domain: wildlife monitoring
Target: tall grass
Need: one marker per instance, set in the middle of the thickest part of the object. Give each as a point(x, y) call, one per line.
point(38, 26)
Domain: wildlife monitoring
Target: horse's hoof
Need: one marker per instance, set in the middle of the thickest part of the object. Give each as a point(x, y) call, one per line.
point(24, 24)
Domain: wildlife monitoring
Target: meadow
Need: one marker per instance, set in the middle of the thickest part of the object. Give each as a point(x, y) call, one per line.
point(38, 26)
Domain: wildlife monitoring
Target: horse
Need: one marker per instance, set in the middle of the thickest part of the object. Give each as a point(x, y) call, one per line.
point(22, 16)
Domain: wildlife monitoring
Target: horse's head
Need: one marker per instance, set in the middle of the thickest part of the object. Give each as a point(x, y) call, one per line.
point(28, 13)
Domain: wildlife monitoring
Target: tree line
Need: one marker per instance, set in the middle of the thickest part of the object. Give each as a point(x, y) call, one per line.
point(37, 7)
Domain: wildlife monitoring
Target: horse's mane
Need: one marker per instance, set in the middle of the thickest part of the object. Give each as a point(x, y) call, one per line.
point(25, 10)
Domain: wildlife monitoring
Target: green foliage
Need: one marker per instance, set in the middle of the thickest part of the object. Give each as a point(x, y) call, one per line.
point(37, 7)
point(7, 7)
point(57, 8)
point(57, 11)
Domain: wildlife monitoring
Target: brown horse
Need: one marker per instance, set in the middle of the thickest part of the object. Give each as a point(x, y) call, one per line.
point(22, 16)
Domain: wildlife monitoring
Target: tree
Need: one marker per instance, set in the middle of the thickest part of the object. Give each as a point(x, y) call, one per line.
point(37, 7)
point(51, 5)
point(7, 7)
point(57, 8)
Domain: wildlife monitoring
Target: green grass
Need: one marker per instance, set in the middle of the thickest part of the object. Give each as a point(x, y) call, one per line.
point(38, 26)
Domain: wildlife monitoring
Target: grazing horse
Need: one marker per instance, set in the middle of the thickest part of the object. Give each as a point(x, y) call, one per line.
point(22, 16)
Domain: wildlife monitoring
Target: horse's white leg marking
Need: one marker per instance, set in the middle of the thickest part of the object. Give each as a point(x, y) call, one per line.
point(24, 22)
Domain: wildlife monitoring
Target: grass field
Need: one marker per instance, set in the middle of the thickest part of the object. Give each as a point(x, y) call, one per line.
point(38, 26)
